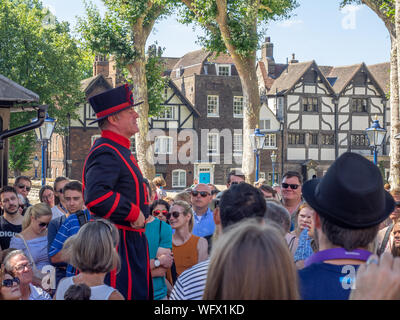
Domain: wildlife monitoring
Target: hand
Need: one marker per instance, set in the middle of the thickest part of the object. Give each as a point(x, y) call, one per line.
point(166, 260)
point(139, 223)
point(378, 281)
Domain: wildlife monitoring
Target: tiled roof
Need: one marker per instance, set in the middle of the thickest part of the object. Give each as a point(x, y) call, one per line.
point(191, 63)
point(381, 73)
point(11, 92)
point(343, 74)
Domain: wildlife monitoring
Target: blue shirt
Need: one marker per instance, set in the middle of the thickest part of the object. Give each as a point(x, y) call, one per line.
point(204, 225)
point(70, 227)
point(304, 249)
point(324, 281)
point(159, 235)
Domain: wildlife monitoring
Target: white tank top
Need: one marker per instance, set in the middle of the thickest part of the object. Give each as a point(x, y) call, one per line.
point(102, 292)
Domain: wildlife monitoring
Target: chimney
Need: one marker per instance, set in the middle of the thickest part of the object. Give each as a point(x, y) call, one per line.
point(294, 59)
point(267, 56)
point(100, 66)
point(113, 72)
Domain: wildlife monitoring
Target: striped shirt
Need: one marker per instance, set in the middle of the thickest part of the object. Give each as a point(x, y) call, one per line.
point(191, 283)
point(70, 227)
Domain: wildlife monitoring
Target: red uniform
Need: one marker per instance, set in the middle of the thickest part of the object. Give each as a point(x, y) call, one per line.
point(114, 189)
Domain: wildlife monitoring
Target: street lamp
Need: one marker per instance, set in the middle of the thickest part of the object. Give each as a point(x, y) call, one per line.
point(43, 135)
point(257, 142)
point(36, 165)
point(375, 136)
point(273, 161)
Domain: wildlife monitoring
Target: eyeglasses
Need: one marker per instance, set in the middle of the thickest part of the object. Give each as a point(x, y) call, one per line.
point(202, 193)
point(292, 186)
point(22, 186)
point(23, 266)
point(157, 212)
point(175, 214)
point(9, 282)
point(43, 224)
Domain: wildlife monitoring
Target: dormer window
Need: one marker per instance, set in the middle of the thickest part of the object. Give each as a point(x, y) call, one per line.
point(224, 69)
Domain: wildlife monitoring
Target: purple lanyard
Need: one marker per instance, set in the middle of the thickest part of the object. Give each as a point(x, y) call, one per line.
point(337, 253)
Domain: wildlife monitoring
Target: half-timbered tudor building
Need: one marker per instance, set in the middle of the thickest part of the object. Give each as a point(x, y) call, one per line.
point(323, 110)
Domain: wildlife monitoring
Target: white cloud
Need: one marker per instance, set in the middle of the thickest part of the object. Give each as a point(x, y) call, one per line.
point(290, 23)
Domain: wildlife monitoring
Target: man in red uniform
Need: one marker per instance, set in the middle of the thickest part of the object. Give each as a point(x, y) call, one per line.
point(114, 189)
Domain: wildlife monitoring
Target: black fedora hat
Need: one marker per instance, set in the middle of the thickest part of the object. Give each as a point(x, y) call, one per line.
point(112, 101)
point(351, 194)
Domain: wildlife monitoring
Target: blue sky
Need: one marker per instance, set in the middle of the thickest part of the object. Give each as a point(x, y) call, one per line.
point(318, 31)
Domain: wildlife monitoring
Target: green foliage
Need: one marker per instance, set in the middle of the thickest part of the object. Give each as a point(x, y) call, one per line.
point(38, 52)
point(114, 35)
point(243, 19)
point(387, 7)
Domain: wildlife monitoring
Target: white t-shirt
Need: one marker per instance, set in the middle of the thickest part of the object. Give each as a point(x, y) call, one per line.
point(102, 292)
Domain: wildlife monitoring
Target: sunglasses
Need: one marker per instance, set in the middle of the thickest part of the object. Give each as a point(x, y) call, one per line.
point(292, 186)
point(9, 282)
point(157, 212)
point(43, 224)
point(202, 193)
point(175, 214)
point(60, 191)
point(22, 186)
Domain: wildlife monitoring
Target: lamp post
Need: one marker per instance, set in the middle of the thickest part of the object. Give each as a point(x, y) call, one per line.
point(375, 136)
point(43, 135)
point(273, 161)
point(36, 165)
point(257, 142)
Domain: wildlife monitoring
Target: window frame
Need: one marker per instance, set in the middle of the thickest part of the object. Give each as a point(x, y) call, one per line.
point(179, 172)
point(162, 139)
point(235, 114)
point(224, 65)
point(216, 114)
point(314, 107)
point(216, 153)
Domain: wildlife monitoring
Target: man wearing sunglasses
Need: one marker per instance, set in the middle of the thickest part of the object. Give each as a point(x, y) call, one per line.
point(204, 225)
point(23, 186)
point(291, 193)
point(11, 220)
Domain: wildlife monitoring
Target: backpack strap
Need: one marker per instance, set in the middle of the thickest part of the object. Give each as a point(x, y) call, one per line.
point(81, 215)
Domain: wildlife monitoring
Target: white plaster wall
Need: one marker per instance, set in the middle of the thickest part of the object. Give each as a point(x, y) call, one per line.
point(342, 136)
point(293, 117)
point(291, 100)
point(328, 101)
point(359, 90)
point(359, 122)
point(342, 102)
point(296, 153)
point(327, 154)
point(329, 119)
point(313, 154)
point(343, 119)
point(371, 90)
point(310, 122)
point(309, 89)
point(376, 102)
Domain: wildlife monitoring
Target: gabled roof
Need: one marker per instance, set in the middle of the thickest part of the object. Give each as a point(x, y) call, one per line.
point(222, 58)
point(290, 77)
point(343, 76)
point(89, 83)
point(381, 73)
point(183, 98)
point(191, 63)
point(13, 93)
point(268, 81)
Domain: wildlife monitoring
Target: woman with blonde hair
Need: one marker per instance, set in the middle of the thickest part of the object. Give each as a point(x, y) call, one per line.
point(187, 248)
point(93, 252)
point(33, 238)
point(251, 261)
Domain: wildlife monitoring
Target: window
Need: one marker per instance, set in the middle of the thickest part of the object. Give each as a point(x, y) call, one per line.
point(265, 124)
point(237, 143)
point(270, 141)
point(310, 104)
point(93, 139)
point(212, 144)
point(313, 138)
point(296, 138)
point(178, 178)
point(163, 145)
point(212, 106)
point(238, 107)
point(359, 140)
point(168, 113)
point(359, 105)
point(328, 139)
point(224, 69)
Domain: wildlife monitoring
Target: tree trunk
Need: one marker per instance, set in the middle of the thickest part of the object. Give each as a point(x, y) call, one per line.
point(394, 105)
point(144, 150)
point(251, 112)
